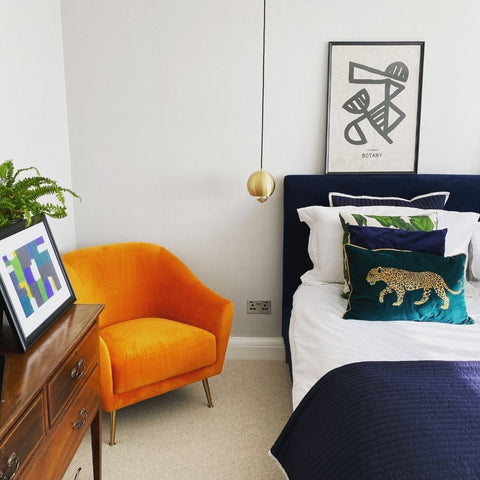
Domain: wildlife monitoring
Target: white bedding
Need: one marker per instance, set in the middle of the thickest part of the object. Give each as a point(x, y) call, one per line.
point(321, 340)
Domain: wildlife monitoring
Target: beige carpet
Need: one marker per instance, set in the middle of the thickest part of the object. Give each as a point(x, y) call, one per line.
point(177, 437)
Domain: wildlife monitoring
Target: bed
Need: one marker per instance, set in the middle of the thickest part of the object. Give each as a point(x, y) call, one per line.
point(380, 399)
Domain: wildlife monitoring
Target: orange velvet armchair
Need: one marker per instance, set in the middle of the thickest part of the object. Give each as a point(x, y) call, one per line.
point(161, 328)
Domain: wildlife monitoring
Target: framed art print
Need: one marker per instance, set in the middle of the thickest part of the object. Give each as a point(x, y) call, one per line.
point(34, 286)
point(373, 111)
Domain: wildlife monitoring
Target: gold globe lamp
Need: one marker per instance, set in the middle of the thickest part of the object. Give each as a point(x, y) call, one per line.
point(261, 184)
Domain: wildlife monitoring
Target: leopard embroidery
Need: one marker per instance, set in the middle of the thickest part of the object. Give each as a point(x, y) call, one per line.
point(401, 281)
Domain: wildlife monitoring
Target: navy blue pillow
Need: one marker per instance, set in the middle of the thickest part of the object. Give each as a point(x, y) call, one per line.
point(373, 238)
point(434, 200)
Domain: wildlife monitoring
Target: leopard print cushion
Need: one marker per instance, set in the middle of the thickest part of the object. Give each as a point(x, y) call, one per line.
point(391, 284)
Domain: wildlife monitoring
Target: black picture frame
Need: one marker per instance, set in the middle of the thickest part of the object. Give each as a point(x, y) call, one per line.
point(34, 286)
point(373, 107)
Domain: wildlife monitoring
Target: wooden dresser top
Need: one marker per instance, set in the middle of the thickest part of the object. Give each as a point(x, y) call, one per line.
point(25, 372)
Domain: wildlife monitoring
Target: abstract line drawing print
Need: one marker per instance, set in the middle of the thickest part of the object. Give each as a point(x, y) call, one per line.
point(385, 116)
point(33, 275)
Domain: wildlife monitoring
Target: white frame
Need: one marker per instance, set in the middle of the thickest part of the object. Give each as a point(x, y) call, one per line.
point(30, 320)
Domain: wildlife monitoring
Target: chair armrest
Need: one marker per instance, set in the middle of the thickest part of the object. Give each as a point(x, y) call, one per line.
point(183, 297)
point(194, 303)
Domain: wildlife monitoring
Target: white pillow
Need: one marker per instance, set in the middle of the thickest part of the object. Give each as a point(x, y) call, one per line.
point(326, 233)
point(460, 230)
point(474, 254)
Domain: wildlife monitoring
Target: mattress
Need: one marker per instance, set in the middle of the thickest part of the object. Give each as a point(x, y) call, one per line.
point(321, 340)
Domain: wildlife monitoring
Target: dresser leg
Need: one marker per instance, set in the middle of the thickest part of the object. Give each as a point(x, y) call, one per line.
point(96, 434)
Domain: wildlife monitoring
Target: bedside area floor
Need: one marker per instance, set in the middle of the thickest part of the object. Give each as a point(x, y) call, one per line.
point(177, 437)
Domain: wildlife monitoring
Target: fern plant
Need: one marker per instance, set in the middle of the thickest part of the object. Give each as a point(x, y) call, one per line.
point(23, 197)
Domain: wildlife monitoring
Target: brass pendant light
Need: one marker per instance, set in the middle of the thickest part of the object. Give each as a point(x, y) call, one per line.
point(261, 184)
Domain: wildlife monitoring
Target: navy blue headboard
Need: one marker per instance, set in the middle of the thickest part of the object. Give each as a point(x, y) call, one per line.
point(304, 190)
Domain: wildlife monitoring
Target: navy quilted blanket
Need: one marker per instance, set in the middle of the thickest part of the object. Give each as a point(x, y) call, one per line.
point(415, 420)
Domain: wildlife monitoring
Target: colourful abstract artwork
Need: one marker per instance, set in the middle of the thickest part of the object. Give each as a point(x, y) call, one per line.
point(33, 274)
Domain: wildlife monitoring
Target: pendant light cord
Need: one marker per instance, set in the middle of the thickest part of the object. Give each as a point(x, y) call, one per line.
point(263, 82)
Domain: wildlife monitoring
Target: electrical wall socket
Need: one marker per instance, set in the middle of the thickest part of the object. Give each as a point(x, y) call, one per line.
point(259, 306)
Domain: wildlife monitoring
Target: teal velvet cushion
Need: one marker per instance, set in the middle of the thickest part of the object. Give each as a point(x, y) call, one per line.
point(401, 285)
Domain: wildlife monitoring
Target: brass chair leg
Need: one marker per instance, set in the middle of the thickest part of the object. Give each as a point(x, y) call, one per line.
point(113, 424)
point(206, 387)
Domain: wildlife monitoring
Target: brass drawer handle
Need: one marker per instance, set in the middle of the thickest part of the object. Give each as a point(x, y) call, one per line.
point(12, 461)
point(79, 369)
point(79, 422)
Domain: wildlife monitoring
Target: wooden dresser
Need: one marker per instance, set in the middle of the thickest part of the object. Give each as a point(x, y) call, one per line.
point(50, 397)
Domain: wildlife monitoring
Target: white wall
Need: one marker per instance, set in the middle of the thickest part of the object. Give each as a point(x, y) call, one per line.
point(164, 116)
point(33, 115)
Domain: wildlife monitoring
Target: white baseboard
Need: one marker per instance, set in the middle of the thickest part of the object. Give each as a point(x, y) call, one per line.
point(255, 348)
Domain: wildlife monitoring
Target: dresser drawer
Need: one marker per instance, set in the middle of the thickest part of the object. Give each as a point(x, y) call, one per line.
point(68, 433)
point(22, 441)
point(72, 374)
